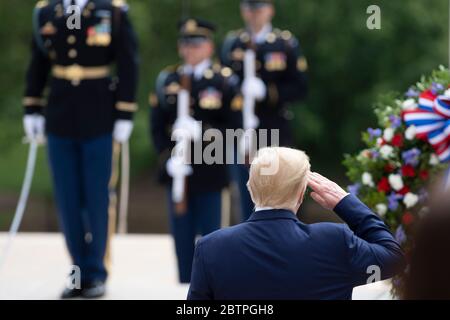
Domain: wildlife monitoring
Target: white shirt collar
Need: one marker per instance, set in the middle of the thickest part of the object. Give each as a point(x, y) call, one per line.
point(261, 36)
point(197, 70)
point(80, 3)
point(263, 209)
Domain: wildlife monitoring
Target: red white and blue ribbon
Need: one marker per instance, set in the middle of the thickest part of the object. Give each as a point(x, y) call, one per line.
point(432, 122)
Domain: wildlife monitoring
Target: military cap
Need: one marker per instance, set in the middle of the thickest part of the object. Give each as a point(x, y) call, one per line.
point(193, 30)
point(256, 3)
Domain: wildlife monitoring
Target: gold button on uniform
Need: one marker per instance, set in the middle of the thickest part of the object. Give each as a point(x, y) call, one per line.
point(271, 37)
point(208, 74)
point(226, 72)
point(71, 39)
point(72, 53)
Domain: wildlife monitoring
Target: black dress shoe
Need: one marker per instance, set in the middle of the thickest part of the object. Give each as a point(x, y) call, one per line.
point(71, 293)
point(93, 290)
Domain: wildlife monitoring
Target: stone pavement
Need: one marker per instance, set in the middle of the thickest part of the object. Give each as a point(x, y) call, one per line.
point(143, 267)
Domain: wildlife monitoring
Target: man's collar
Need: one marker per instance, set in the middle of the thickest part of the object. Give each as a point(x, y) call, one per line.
point(273, 214)
point(197, 70)
point(80, 3)
point(261, 36)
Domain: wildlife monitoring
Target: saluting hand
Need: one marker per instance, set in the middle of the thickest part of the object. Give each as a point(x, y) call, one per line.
point(325, 192)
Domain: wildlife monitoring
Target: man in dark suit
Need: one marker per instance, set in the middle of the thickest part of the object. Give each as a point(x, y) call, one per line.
point(275, 256)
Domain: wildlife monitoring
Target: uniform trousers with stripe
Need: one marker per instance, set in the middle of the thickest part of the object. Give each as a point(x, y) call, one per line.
point(203, 216)
point(81, 170)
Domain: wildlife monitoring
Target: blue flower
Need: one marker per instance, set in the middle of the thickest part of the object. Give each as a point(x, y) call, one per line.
point(375, 154)
point(396, 121)
point(374, 133)
point(400, 235)
point(436, 87)
point(354, 188)
point(411, 157)
point(393, 199)
point(412, 93)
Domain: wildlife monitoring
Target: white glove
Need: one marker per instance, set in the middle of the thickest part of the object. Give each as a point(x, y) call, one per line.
point(252, 122)
point(254, 87)
point(122, 130)
point(187, 128)
point(176, 168)
point(34, 126)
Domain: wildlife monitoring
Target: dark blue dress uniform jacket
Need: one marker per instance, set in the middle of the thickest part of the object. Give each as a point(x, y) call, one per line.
point(215, 101)
point(86, 108)
point(275, 256)
point(280, 63)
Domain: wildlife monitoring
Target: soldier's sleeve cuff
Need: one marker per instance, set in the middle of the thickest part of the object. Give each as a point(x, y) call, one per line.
point(126, 106)
point(33, 105)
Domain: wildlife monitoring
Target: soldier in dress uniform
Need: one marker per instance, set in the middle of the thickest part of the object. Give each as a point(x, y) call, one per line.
point(216, 102)
point(86, 109)
point(280, 77)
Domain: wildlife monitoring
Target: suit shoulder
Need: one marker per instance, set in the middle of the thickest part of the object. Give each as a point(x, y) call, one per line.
point(221, 236)
point(169, 71)
point(234, 34)
point(42, 4)
point(121, 4)
point(232, 38)
point(166, 76)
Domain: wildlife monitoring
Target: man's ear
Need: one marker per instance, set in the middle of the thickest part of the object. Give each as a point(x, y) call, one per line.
point(272, 11)
point(301, 195)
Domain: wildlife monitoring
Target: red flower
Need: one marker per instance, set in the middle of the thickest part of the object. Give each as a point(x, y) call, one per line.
point(407, 218)
point(397, 141)
point(408, 171)
point(383, 185)
point(389, 168)
point(404, 191)
point(424, 174)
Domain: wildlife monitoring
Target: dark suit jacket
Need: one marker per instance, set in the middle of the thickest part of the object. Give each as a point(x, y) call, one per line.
point(275, 256)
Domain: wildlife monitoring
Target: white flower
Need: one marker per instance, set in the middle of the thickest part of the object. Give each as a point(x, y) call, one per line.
point(410, 133)
point(388, 134)
point(396, 182)
point(386, 151)
point(434, 160)
point(447, 93)
point(409, 104)
point(410, 200)
point(367, 179)
point(379, 142)
point(381, 209)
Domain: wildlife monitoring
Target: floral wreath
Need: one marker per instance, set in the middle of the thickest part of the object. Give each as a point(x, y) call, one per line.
point(409, 150)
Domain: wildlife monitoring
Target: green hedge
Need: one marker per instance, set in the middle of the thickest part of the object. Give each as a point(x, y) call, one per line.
point(349, 66)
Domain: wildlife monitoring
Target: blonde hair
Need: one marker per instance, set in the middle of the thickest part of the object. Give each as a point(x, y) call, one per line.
point(277, 175)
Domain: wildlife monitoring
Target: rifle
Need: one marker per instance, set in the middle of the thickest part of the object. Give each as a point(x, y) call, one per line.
point(249, 117)
point(181, 154)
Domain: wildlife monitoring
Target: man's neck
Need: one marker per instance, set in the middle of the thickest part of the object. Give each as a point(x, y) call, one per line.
point(80, 3)
point(259, 34)
point(199, 68)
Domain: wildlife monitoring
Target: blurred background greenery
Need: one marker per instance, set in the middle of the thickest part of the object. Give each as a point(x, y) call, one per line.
point(349, 65)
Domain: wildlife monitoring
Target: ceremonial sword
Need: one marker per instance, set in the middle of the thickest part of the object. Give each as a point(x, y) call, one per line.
point(24, 193)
